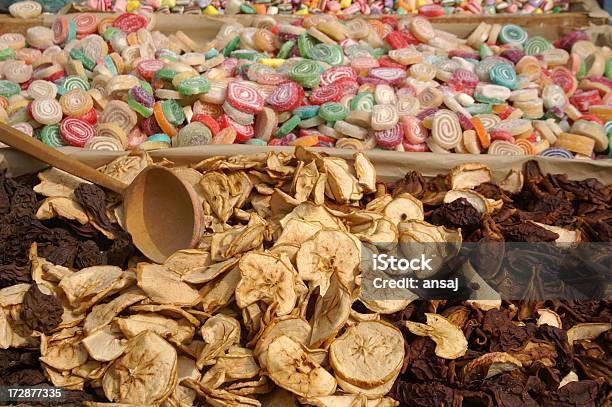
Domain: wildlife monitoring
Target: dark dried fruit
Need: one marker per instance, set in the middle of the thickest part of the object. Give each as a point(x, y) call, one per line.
point(39, 311)
point(93, 199)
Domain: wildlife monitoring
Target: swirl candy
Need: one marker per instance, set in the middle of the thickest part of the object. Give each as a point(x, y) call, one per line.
point(46, 111)
point(76, 132)
point(445, 129)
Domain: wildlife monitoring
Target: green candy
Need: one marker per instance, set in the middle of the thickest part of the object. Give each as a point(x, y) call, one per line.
point(536, 45)
point(288, 126)
point(195, 85)
point(231, 46)
point(110, 64)
point(330, 54)
point(138, 107)
point(353, 51)
point(332, 111)
point(247, 8)
point(72, 82)
point(379, 52)
point(7, 53)
point(305, 43)
point(483, 99)
point(306, 73)
point(8, 89)
point(211, 53)
point(108, 33)
point(256, 142)
point(285, 50)
point(582, 71)
point(512, 34)
point(87, 62)
point(504, 75)
point(364, 102)
point(173, 112)
point(164, 75)
point(306, 112)
point(484, 51)
point(245, 54)
point(146, 86)
point(50, 135)
point(608, 71)
point(479, 108)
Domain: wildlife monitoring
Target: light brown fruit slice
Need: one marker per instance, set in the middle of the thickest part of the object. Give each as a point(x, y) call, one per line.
point(85, 284)
point(479, 202)
point(587, 331)
point(295, 328)
point(403, 208)
point(105, 345)
point(468, 176)
point(164, 286)
point(64, 208)
point(496, 363)
point(331, 313)
point(368, 354)
point(450, 340)
point(145, 374)
point(366, 173)
point(291, 368)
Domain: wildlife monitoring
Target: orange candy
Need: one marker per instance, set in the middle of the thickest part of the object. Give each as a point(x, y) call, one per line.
point(225, 136)
point(483, 136)
point(305, 141)
point(526, 146)
point(163, 123)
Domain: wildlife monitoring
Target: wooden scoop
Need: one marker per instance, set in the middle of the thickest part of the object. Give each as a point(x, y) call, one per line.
point(162, 212)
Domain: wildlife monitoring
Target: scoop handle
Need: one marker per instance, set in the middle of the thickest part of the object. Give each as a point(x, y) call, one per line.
point(55, 158)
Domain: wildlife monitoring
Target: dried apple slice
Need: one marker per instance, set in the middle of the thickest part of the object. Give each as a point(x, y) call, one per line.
point(513, 183)
point(297, 231)
point(468, 176)
point(370, 393)
point(219, 332)
point(479, 202)
point(145, 374)
point(366, 173)
point(203, 275)
point(66, 354)
point(103, 314)
point(587, 331)
point(403, 208)
point(331, 313)
point(326, 253)
point(105, 345)
point(164, 286)
point(566, 236)
point(495, 363)
point(290, 367)
point(215, 188)
point(55, 182)
point(88, 282)
point(450, 340)
point(295, 328)
point(341, 185)
point(368, 354)
point(312, 213)
point(188, 261)
point(548, 317)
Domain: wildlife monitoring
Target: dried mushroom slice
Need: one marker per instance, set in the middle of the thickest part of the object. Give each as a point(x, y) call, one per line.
point(103, 314)
point(495, 363)
point(479, 202)
point(368, 354)
point(587, 331)
point(468, 176)
point(326, 253)
point(513, 183)
point(331, 312)
point(548, 317)
point(269, 278)
point(290, 367)
point(188, 261)
point(88, 282)
point(216, 191)
point(145, 374)
point(164, 286)
point(366, 173)
point(295, 328)
point(64, 208)
point(105, 344)
point(450, 340)
point(219, 332)
point(404, 207)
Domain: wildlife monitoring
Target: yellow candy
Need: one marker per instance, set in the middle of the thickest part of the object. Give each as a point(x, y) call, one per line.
point(132, 5)
point(538, 11)
point(211, 10)
point(345, 3)
point(272, 62)
point(420, 3)
point(302, 12)
point(168, 3)
point(13, 107)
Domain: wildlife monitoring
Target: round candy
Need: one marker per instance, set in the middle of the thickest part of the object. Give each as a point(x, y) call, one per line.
point(324, 94)
point(194, 134)
point(243, 133)
point(8, 88)
point(100, 143)
point(389, 139)
point(286, 96)
point(121, 114)
point(332, 111)
point(557, 152)
point(336, 73)
point(86, 23)
point(306, 73)
point(500, 147)
point(130, 22)
point(504, 75)
point(238, 115)
point(50, 135)
point(445, 129)
point(536, 45)
point(76, 103)
point(46, 111)
point(244, 98)
point(25, 9)
point(512, 34)
point(76, 132)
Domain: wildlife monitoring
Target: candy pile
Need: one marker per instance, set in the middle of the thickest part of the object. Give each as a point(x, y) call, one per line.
point(270, 310)
point(427, 8)
point(401, 86)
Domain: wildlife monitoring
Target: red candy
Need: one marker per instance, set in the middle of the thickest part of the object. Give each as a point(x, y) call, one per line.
point(86, 23)
point(562, 77)
point(591, 118)
point(502, 135)
point(415, 148)
point(90, 117)
point(147, 68)
point(583, 99)
point(348, 86)
point(130, 22)
point(244, 98)
point(76, 132)
point(389, 139)
point(414, 132)
point(324, 94)
point(432, 10)
point(397, 40)
point(386, 62)
point(336, 73)
point(286, 96)
point(208, 121)
point(243, 132)
point(464, 77)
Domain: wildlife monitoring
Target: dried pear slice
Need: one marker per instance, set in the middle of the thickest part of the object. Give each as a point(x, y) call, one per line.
point(331, 313)
point(368, 354)
point(479, 202)
point(105, 345)
point(404, 207)
point(366, 173)
point(103, 314)
point(295, 328)
point(268, 278)
point(164, 286)
point(145, 374)
point(55, 182)
point(548, 317)
point(290, 367)
point(450, 340)
point(587, 331)
point(469, 176)
point(88, 282)
point(64, 208)
point(326, 253)
point(513, 183)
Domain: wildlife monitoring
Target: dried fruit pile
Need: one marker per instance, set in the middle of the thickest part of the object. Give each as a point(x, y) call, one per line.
point(392, 84)
point(268, 310)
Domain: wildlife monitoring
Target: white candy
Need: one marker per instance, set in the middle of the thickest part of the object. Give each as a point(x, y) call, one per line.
point(464, 99)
